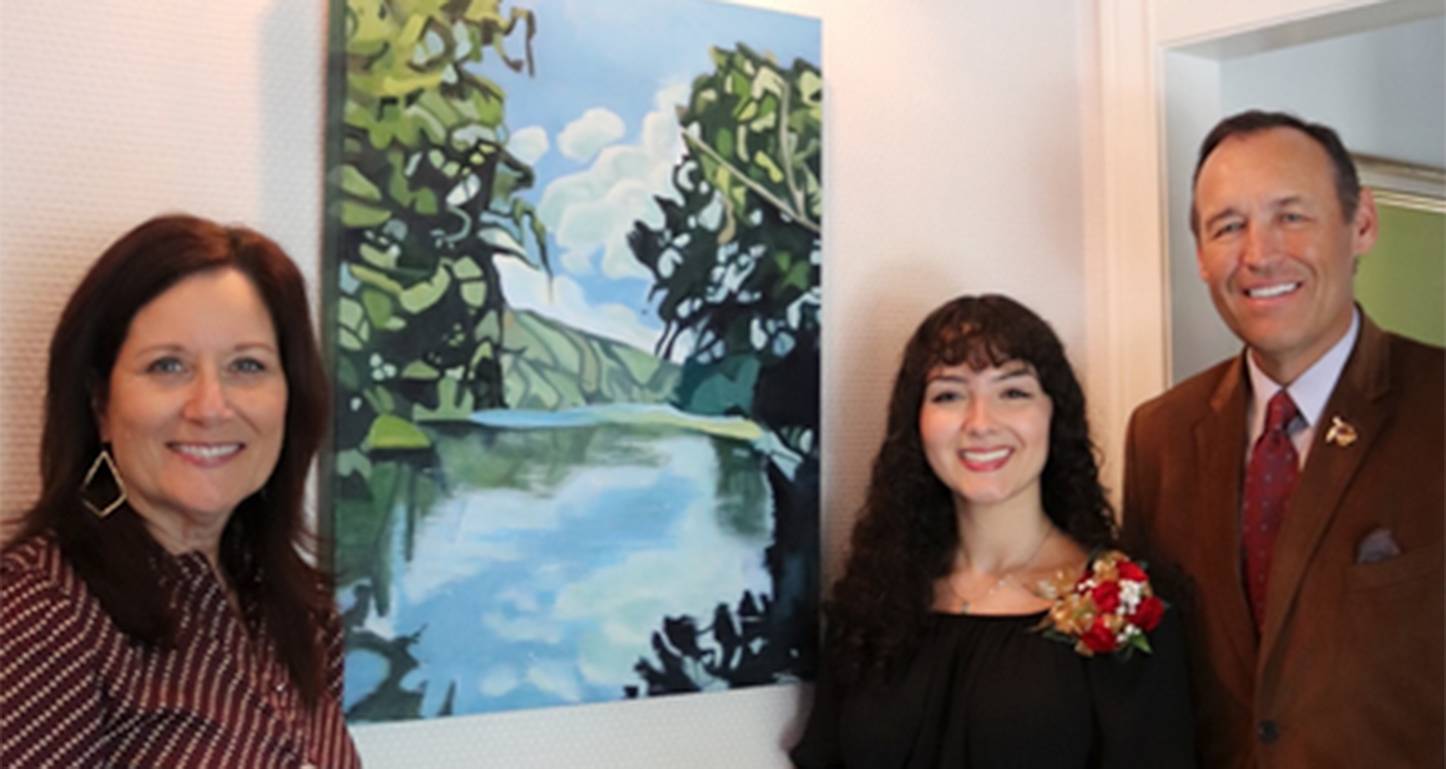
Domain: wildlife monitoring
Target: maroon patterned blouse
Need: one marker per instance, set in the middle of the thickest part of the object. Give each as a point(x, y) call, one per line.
point(76, 692)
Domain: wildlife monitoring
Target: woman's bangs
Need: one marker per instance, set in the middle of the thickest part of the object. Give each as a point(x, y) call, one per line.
point(973, 345)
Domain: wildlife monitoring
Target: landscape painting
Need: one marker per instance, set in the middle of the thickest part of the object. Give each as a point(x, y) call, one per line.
point(574, 312)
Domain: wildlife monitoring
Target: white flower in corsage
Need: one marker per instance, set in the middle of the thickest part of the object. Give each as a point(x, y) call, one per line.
point(1107, 609)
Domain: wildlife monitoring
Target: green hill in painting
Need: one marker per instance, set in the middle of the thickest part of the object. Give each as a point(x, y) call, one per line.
point(548, 365)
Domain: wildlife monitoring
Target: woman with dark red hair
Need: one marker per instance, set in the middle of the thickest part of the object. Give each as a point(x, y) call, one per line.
point(160, 607)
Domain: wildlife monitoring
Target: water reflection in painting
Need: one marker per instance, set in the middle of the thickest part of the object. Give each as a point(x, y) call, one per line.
point(547, 590)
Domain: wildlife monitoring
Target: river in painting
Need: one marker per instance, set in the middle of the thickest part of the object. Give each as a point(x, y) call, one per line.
point(531, 566)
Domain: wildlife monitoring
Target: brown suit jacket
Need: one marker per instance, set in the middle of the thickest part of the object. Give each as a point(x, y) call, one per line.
point(1347, 670)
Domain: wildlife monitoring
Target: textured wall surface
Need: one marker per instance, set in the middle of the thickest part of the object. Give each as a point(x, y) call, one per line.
point(114, 111)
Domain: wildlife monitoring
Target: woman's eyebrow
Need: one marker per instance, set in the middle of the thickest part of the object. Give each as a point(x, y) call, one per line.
point(1015, 371)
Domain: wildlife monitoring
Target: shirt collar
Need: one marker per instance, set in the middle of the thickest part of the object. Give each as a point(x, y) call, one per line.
point(1310, 390)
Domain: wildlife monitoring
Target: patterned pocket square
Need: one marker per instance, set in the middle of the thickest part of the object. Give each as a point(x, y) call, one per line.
point(1379, 545)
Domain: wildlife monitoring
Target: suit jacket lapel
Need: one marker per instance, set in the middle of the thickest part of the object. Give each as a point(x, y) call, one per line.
point(1220, 446)
point(1358, 400)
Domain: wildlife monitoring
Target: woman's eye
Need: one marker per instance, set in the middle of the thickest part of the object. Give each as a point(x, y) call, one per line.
point(167, 365)
point(1018, 393)
point(248, 366)
point(944, 396)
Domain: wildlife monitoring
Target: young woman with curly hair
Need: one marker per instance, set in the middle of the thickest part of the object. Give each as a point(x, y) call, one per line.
point(985, 488)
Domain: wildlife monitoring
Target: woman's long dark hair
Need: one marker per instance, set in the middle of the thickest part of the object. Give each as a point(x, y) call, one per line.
point(265, 544)
point(907, 534)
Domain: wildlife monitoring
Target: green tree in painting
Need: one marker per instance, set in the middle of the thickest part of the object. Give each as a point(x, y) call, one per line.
point(424, 200)
point(427, 201)
point(736, 261)
point(736, 267)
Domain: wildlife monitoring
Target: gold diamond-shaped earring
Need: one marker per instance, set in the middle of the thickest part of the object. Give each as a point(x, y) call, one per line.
point(103, 460)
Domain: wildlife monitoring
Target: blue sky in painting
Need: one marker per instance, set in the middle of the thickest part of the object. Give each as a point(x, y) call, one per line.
point(598, 123)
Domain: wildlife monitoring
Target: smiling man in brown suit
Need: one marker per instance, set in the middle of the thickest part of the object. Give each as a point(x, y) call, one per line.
point(1296, 490)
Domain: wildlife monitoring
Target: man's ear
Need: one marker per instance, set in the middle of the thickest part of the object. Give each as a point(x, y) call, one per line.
point(1366, 225)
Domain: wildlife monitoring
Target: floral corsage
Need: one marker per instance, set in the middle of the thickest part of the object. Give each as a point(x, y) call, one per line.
point(1107, 609)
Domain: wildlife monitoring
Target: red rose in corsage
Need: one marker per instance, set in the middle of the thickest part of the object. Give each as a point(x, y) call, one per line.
point(1108, 609)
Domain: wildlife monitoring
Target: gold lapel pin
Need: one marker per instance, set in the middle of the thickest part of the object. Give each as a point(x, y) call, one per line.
point(1341, 433)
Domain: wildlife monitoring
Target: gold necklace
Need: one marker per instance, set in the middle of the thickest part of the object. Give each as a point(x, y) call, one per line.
point(1002, 578)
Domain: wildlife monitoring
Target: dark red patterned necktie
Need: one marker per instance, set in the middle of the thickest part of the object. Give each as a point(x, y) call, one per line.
point(1269, 479)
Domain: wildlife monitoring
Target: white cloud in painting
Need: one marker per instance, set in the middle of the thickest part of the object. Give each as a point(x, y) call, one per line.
point(593, 211)
point(521, 599)
point(462, 528)
point(556, 678)
point(596, 128)
point(523, 628)
point(469, 528)
point(565, 300)
point(528, 144)
point(499, 680)
point(622, 603)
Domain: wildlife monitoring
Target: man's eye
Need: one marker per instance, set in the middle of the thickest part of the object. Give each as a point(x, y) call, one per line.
point(1292, 217)
point(1229, 228)
point(167, 365)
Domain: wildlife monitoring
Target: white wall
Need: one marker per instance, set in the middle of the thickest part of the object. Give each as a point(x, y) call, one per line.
point(113, 111)
point(1192, 106)
point(1383, 90)
point(957, 134)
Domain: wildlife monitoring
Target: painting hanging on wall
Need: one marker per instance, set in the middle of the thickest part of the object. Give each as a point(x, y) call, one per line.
point(573, 304)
